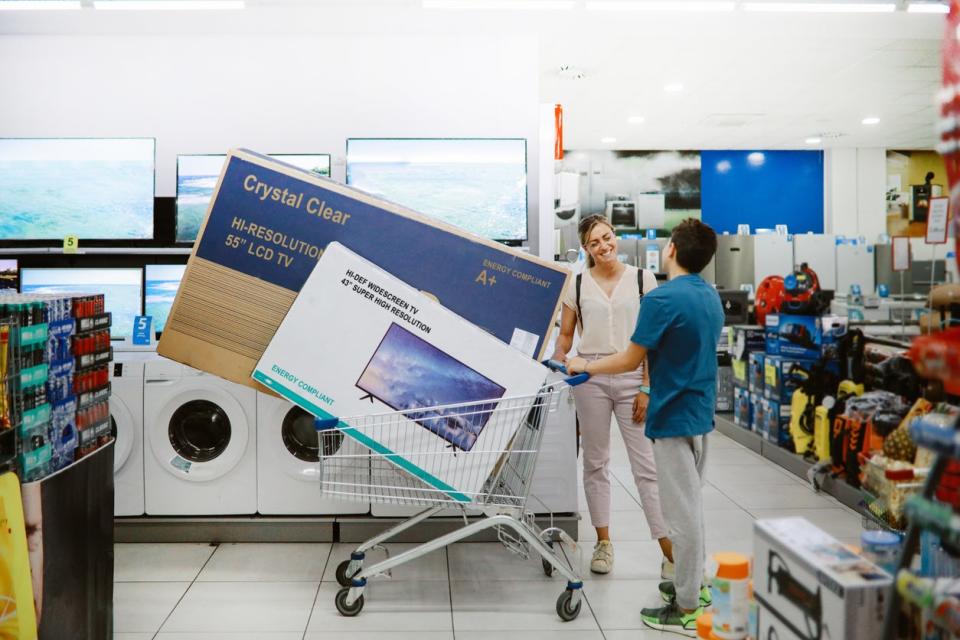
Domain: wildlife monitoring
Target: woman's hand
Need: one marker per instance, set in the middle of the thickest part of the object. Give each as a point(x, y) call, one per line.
point(576, 365)
point(640, 403)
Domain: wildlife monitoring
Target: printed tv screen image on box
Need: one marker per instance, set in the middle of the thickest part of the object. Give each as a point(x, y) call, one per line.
point(197, 178)
point(162, 283)
point(93, 188)
point(9, 275)
point(479, 185)
point(122, 289)
point(408, 373)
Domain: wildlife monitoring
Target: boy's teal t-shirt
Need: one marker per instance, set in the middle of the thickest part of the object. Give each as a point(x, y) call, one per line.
point(679, 324)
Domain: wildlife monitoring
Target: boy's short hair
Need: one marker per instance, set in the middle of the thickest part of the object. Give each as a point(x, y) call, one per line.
point(695, 242)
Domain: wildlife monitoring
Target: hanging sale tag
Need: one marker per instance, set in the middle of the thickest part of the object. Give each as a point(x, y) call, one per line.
point(71, 244)
point(141, 330)
point(901, 253)
point(937, 220)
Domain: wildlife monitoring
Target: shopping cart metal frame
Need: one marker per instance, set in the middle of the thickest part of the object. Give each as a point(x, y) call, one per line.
point(502, 501)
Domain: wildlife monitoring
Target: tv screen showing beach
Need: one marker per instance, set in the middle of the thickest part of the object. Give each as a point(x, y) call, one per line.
point(122, 289)
point(197, 177)
point(477, 185)
point(97, 189)
point(163, 280)
point(407, 373)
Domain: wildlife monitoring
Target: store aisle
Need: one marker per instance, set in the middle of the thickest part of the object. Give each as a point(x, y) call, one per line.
point(470, 592)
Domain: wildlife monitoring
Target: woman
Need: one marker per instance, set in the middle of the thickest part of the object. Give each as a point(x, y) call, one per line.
point(605, 312)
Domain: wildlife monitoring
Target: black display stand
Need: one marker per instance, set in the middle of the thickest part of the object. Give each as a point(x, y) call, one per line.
point(75, 594)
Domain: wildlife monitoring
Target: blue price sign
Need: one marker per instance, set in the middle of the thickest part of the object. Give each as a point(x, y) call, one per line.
point(141, 329)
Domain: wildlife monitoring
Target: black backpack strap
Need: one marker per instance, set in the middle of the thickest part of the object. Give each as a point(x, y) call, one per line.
point(640, 282)
point(578, 282)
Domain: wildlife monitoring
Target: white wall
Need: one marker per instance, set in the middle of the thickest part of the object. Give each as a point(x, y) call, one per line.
point(272, 93)
point(854, 185)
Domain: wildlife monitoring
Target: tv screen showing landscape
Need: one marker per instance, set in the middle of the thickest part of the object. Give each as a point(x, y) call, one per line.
point(479, 185)
point(122, 289)
point(197, 177)
point(162, 280)
point(9, 276)
point(407, 372)
point(93, 188)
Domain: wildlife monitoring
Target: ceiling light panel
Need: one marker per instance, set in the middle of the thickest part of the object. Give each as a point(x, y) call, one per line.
point(820, 7)
point(39, 5)
point(168, 5)
point(705, 6)
point(500, 5)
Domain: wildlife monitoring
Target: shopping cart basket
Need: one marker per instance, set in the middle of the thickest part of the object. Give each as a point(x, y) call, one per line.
point(354, 465)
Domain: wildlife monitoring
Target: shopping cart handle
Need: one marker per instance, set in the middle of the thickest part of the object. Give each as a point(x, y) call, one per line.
point(573, 381)
point(325, 424)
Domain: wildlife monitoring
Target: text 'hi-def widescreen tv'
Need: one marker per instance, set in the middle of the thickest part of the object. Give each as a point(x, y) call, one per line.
point(197, 177)
point(162, 283)
point(477, 184)
point(92, 188)
point(122, 289)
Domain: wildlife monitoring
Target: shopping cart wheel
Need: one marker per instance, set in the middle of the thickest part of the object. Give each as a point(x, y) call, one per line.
point(547, 567)
point(564, 610)
point(353, 609)
point(342, 577)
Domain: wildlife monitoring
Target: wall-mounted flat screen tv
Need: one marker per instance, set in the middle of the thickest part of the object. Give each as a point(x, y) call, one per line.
point(408, 373)
point(9, 275)
point(122, 289)
point(479, 185)
point(93, 188)
point(197, 177)
point(162, 280)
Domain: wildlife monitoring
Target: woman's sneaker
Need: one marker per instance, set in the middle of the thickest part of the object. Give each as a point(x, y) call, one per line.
point(673, 619)
point(602, 560)
point(669, 593)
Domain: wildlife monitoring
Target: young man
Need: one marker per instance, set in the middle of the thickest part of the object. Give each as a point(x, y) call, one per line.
point(677, 331)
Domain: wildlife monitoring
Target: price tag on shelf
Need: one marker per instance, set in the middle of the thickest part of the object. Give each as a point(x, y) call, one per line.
point(901, 253)
point(141, 330)
point(71, 244)
point(937, 220)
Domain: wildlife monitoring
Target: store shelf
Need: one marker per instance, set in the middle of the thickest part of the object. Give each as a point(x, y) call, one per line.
point(793, 463)
point(150, 251)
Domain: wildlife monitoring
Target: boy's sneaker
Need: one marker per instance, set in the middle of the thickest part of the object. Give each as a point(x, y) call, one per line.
point(669, 593)
point(667, 570)
point(602, 560)
point(671, 618)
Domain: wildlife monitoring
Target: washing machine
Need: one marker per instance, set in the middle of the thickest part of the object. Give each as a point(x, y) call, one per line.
point(287, 463)
point(126, 421)
point(200, 450)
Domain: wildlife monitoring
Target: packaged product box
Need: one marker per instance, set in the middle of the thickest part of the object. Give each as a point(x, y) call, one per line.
point(741, 407)
point(740, 378)
point(388, 348)
point(756, 372)
point(811, 584)
point(267, 225)
point(757, 423)
point(776, 421)
point(745, 339)
point(799, 336)
point(771, 334)
point(783, 376)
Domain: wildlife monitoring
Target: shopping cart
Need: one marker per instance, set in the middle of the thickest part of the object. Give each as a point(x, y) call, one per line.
point(353, 465)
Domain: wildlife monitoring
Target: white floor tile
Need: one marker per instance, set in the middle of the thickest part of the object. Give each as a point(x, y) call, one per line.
point(638, 634)
point(133, 636)
point(389, 605)
point(491, 561)
point(432, 566)
point(758, 496)
point(280, 562)
point(143, 606)
point(840, 523)
point(716, 440)
point(531, 634)
point(624, 525)
point(480, 605)
point(617, 603)
point(715, 500)
point(620, 498)
point(728, 524)
point(631, 561)
point(742, 545)
point(290, 635)
point(159, 562)
point(382, 635)
point(249, 607)
point(738, 456)
point(761, 474)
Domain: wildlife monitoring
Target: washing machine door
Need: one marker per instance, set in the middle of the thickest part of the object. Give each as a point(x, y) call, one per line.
point(296, 445)
point(200, 434)
point(121, 426)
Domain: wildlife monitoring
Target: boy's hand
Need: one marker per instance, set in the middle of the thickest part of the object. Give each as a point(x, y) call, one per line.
point(559, 357)
point(640, 403)
point(576, 365)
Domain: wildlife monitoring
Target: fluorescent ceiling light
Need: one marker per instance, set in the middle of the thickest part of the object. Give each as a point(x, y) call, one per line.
point(756, 159)
point(168, 5)
point(871, 120)
point(927, 7)
point(673, 87)
point(636, 120)
point(676, 5)
point(821, 7)
point(608, 140)
point(39, 5)
point(501, 5)
point(814, 140)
